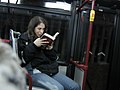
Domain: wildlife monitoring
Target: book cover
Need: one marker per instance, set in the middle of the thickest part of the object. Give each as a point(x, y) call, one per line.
point(49, 37)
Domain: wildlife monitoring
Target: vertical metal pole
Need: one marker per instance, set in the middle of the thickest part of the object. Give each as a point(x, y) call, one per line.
point(88, 47)
point(85, 2)
point(89, 36)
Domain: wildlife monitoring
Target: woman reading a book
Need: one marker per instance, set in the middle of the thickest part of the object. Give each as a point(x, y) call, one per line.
point(40, 58)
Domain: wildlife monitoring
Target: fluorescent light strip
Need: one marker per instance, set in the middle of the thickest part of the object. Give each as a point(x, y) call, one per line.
point(61, 5)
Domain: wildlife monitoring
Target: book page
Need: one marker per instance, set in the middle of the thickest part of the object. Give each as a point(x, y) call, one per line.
point(49, 37)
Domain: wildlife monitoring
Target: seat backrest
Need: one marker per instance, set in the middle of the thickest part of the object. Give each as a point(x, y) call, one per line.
point(14, 37)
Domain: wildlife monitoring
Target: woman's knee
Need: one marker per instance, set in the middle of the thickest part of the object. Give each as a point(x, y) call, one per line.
point(48, 85)
point(46, 81)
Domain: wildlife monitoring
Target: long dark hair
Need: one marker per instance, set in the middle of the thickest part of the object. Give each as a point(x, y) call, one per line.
point(36, 20)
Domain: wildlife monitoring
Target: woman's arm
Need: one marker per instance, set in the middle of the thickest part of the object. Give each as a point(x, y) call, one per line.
point(51, 54)
point(27, 48)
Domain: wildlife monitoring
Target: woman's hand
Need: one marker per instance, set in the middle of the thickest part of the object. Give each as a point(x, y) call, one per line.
point(49, 47)
point(39, 42)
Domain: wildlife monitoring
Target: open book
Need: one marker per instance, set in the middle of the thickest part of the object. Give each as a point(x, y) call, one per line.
point(49, 37)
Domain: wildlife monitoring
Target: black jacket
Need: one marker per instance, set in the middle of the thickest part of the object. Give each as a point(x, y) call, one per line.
point(42, 59)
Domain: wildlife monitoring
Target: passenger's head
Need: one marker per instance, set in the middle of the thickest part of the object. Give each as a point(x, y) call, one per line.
point(7, 54)
point(12, 76)
point(37, 26)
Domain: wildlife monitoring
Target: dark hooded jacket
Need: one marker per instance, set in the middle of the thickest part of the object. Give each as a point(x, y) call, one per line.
point(41, 59)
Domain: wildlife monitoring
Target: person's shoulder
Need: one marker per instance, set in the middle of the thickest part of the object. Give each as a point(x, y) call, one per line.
point(24, 36)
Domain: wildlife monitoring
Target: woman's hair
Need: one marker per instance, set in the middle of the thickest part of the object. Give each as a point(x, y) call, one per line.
point(36, 20)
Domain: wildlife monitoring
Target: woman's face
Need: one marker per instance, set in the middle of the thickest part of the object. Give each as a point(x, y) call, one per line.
point(39, 29)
